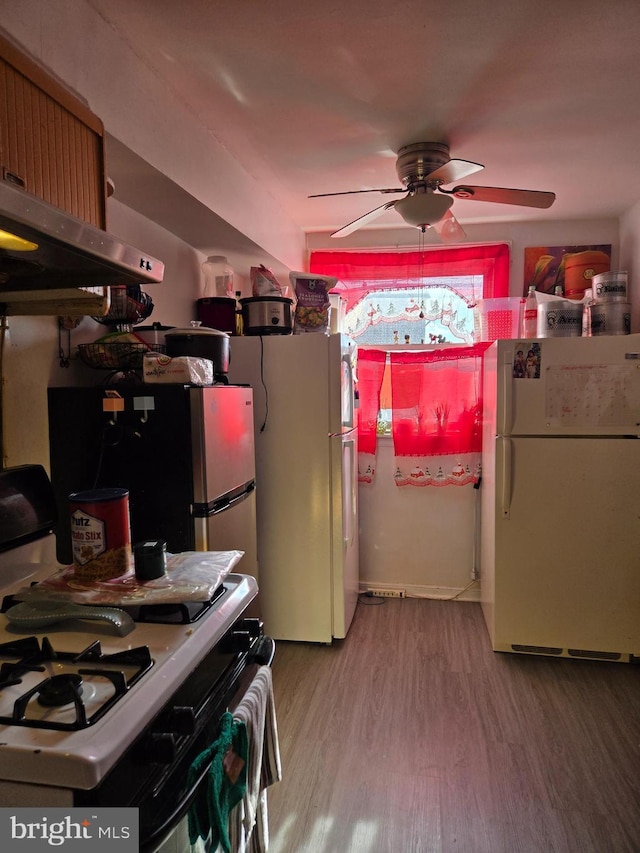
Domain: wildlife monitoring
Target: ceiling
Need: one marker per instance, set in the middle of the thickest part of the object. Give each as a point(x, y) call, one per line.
point(313, 98)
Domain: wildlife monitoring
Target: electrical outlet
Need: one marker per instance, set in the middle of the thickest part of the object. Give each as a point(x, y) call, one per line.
point(386, 593)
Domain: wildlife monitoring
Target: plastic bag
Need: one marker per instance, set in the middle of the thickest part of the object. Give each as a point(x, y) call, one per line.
point(313, 307)
point(264, 282)
point(191, 576)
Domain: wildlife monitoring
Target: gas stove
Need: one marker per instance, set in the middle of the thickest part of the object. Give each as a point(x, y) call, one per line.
point(90, 716)
point(50, 744)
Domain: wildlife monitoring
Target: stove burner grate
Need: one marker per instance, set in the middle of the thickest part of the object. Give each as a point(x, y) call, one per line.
point(178, 613)
point(66, 688)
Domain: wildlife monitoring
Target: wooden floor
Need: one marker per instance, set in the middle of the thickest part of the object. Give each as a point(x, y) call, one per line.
point(412, 736)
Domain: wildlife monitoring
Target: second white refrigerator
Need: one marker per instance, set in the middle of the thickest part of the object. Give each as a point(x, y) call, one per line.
point(560, 550)
point(306, 480)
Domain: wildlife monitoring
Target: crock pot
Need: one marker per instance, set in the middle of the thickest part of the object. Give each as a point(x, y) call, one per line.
point(267, 315)
point(201, 342)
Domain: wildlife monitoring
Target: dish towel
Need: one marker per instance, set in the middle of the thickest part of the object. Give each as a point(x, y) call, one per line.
point(224, 786)
point(249, 820)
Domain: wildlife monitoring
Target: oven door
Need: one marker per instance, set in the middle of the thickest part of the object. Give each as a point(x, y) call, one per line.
point(153, 774)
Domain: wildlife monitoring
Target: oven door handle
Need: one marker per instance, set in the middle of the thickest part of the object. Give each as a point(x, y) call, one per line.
point(161, 833)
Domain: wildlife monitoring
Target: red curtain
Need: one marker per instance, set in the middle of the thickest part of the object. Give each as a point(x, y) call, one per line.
point(371, 365)
point(435, 395)
point(361, 273)
point(437, 415)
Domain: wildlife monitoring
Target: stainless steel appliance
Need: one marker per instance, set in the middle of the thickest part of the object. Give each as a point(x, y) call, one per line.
point(306, 458)
point(267, 315)
point(89, 717)
point(65, 251)
point(186, 455)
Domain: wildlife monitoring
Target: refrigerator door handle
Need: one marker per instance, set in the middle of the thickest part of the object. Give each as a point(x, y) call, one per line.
point(350, 497)
point(506, 407)
point(504, 449)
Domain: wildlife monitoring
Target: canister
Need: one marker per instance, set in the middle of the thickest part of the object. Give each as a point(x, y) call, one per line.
point(610, 286)
point(150, 559)
point(579, 269)
point(559, 318)
point(610, 318)
point(100, 533)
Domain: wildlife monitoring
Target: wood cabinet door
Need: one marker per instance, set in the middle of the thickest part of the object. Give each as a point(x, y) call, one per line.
point(50, 142)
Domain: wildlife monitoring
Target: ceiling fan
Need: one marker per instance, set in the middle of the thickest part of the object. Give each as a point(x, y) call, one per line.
point(423, 168)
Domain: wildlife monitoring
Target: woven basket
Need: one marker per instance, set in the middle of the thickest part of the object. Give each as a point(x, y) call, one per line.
point(116, 356)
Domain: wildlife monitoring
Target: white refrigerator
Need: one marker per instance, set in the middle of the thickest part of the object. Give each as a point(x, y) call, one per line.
point(560, 497)
point(306, 480)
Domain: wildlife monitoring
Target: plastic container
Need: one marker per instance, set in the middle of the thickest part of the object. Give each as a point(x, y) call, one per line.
point(580, 268)
point(530, 314)
point(218, 277)
point(498, 318)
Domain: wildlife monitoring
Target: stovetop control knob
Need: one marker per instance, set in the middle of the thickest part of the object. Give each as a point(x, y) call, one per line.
point(241, 636)
point(181, 720)
point(252, 625)
point(160, 747)
point(240, 641)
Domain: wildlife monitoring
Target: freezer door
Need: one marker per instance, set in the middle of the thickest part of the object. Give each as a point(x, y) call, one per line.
point(222, 441)
point(342, 352)
point(567, 386)
point(232, 529)
point(560, 545)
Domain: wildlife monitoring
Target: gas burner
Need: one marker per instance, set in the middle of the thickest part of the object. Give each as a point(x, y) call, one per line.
point(60, 690)
point(71, 695)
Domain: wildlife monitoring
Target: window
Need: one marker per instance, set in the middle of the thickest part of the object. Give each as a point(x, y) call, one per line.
point(438, 311)
point(411, 299)
point(467, 272)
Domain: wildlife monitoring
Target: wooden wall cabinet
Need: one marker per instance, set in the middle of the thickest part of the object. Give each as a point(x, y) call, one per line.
point(50, 142)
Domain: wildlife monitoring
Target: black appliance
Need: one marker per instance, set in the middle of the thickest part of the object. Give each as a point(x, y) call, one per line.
point(186, 454)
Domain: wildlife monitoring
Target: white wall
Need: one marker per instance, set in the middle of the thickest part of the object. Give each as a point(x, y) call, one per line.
point(630, 259)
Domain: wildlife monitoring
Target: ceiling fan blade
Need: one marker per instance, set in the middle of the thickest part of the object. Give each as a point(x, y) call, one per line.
point(362, 220)
point(449, 229)
point(454, 170)
point(502, 195)
point(351, 192)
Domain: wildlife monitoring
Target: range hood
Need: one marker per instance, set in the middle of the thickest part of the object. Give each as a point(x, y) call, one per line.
point(53, 253)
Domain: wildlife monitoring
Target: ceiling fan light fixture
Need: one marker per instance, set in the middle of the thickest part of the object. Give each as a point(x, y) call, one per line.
point(423, 209)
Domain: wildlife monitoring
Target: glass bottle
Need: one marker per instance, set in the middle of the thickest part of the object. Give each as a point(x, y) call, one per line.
point(530, 314)
point(239, 321)
point(586, 313)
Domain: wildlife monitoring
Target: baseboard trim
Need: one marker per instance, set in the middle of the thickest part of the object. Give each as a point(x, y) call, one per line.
point(441, 593)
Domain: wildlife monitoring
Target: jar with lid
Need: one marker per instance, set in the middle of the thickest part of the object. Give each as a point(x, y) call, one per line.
point(218, 277)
